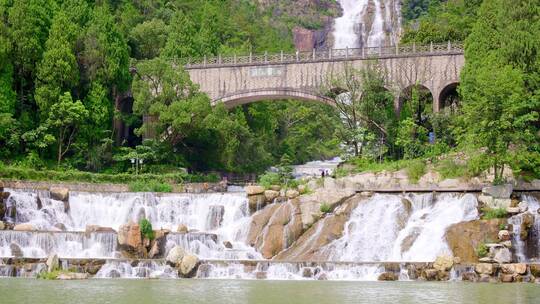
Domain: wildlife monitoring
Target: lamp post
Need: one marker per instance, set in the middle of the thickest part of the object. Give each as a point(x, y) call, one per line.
point(137, 162)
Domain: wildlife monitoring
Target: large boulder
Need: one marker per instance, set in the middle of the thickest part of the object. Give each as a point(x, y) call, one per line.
point(291, 193)
point(52, 263)
point(484, 268)
point(504, 235)
point(387, 276)
point(256, 202)
point(501, 255)
point(270, 195)
point(2, 225)
point(499, 191)
point(24, 227)
point(175, 256)
point(443, 263)
point(254, 190)
point(130, 240)
point(465, 237)
point(188, 265)
point(59, 193)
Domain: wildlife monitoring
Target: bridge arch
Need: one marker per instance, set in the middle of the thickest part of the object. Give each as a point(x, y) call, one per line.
point(448, 97)
point(405, 95)
point(240, 98)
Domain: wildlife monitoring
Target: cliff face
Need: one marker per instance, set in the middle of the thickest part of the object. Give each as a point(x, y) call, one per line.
point(310, 21)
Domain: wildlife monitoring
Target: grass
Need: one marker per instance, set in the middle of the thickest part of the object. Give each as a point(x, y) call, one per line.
point(20, 173)
point(448, 168)
point(149, 186)
point(496, 213)
point(325, 208)
point(415, 169)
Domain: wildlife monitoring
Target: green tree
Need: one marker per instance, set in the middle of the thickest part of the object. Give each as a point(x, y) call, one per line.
point(500, 110)
point(58, 71)
point(64, 119)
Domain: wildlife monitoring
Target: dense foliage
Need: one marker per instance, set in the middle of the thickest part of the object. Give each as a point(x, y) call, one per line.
point(67, 70)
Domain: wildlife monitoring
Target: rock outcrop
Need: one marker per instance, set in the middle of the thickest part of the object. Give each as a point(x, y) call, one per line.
point(465, 237)
point(130, 242)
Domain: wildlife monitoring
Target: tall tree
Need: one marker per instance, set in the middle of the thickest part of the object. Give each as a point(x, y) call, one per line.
point(501, 110)
point(58, 71)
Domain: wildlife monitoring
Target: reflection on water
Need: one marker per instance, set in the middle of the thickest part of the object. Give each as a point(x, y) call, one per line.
point(227, 291)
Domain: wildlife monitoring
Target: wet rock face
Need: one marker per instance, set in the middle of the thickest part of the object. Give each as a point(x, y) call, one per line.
point(465, 237)
point(275, 227)
point(130, 241)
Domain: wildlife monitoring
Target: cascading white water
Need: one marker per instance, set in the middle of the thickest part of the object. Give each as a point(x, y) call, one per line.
point(401, 228)
point(533, 205)
point(223, 216)
point(368, 23)
point(64, 244)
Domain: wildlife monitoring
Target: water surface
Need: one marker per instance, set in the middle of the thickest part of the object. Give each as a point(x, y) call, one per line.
point(245, 291)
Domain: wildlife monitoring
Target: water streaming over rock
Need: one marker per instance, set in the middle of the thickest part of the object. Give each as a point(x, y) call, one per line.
point(367, 23)
point(526, 231)
point(401, 227)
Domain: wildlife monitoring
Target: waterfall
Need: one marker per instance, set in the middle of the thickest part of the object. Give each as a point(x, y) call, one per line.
point(526, 250)
point(368, 23)
point(212, 219)
point(401, 228)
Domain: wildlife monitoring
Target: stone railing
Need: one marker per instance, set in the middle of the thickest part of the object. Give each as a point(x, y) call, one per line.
point(326, 55)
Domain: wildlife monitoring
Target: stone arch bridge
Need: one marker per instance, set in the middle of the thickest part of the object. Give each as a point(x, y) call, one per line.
point(239, 80)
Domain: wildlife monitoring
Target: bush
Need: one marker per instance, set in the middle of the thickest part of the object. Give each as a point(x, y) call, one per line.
point(149, 186)
point(146, 229)
point(448, 168)
point(415, 169)
point(268, 179)
point(325, 208)
point(494, 213)
point(482, 250)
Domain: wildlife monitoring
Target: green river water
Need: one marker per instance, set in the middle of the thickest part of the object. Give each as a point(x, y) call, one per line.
point(245, 291)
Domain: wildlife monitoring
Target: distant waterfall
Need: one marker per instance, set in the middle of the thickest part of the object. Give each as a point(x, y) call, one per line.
point(368, 23)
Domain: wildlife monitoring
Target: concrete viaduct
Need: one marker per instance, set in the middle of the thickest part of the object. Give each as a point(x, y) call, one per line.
point(239, 80)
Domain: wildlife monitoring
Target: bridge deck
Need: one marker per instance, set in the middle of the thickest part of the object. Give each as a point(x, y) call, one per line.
point(325, 55)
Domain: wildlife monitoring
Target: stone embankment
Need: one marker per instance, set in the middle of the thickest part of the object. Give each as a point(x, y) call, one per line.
point(103, 187)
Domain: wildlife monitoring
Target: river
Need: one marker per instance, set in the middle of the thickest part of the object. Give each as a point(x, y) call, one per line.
point(120, 291)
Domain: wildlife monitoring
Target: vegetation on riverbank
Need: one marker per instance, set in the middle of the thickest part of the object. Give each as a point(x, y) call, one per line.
point(139, 182)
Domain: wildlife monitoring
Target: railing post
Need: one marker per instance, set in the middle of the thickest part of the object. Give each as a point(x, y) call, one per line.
point(219, 58)
point(281, 55)
point(431, 47)
point(363, 52)
point(449, 46)
point(397, 49)
point(313, 54)
point(265, 56)
point(380, 50)
point(297, 56)
point(347, 52)
point(414, 47)
point(234, 58)
point(204, 60)
point(250, 57)
point(329, 53)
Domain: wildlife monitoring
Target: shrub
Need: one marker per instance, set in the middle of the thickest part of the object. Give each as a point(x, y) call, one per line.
point(494, 213)
point(482, 250)
point(146, 229)
point(325, 208)
point(448, 168)
point(268, 179)
point(415, 169)
point(149, 186)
